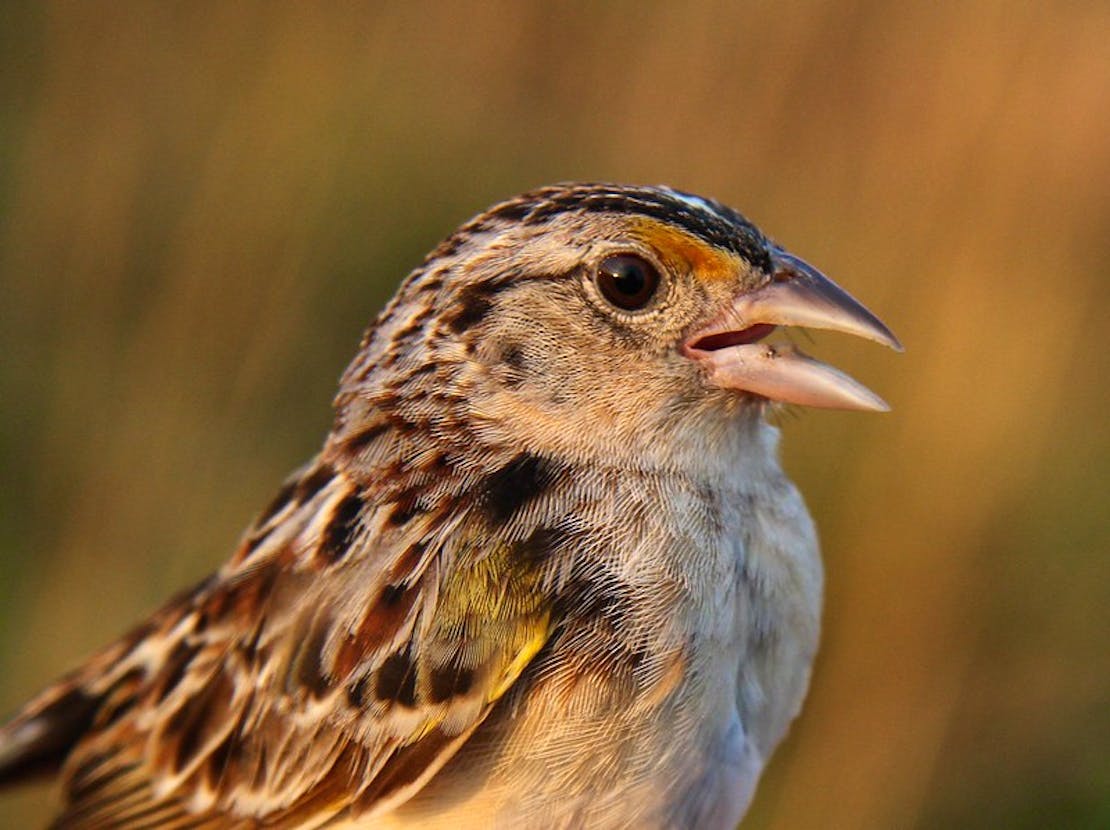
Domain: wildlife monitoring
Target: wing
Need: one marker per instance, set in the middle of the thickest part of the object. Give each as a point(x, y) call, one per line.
point(358, 637)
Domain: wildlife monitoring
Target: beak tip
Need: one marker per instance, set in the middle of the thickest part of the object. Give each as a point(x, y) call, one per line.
point(876, 330)
point(868, 401)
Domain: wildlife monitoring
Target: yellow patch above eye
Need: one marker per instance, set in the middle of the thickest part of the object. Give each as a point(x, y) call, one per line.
point(680, 249)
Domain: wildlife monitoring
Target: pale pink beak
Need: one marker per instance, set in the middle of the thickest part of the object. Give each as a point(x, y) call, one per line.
point(797, 295)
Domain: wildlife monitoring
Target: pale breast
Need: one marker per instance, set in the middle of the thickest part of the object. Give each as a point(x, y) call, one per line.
point(660, 705)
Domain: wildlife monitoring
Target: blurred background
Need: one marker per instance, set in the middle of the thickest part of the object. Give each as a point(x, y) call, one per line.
point(203, 205)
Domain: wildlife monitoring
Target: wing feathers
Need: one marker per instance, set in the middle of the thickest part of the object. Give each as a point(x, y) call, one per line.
point(37, 742)
point(337, 663)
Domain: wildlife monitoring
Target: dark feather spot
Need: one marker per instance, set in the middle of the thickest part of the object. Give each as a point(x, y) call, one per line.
point(32, 752)
point(449, 246)
point(314, 482)
point(120, 699)
point(174, 669)
point(193, 724)
point(252, 544)
point(89, 774)
point(410, 329)
point(243, 597)
point(472, 311)
point(391, 594)
point(473, 305)
point(283, 497)
point(340, 532)
point(403, 425)
point(434, 281)
point(601, 600)
point(396, 680)
point(221, 759)
point(512, 211)
point(385, 616)
point(308, 669)
point(407, 562)
point(357, 692)
point(403, 511)
point(514, 357)
point(540, 544)
point(139, 634)
point(423, 369)
point(446, 682)
point(515, 484)
point(516, 365)
point(360, 440)
point(253, 652)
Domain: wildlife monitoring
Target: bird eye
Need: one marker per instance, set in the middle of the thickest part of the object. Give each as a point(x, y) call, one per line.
point(627, 281)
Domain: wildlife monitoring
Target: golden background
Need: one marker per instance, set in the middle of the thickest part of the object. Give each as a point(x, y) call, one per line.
point(202, 205)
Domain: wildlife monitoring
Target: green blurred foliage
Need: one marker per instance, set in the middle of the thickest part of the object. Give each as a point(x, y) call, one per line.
point(202, 205)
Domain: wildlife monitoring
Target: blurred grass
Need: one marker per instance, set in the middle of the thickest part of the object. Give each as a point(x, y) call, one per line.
point(202, 205)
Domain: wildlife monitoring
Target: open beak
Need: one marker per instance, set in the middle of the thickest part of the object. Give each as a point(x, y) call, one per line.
point(797, 295)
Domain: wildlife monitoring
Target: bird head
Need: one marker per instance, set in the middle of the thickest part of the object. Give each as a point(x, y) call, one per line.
point(588, 318)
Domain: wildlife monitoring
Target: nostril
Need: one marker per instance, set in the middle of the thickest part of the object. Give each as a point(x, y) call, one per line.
point(724, 339)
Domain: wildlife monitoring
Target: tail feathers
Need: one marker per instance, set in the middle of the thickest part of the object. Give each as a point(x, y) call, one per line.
point(38, 739)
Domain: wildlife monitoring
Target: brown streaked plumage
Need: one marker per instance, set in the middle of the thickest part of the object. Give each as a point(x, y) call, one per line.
point(546, 570)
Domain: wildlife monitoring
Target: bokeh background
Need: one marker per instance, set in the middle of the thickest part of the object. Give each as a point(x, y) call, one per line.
point(202, 205)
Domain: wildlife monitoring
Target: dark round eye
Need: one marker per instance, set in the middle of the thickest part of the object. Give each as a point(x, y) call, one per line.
point(627, 281)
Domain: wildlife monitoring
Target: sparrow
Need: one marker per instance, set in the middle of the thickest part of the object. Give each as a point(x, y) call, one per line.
point(545, 572)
